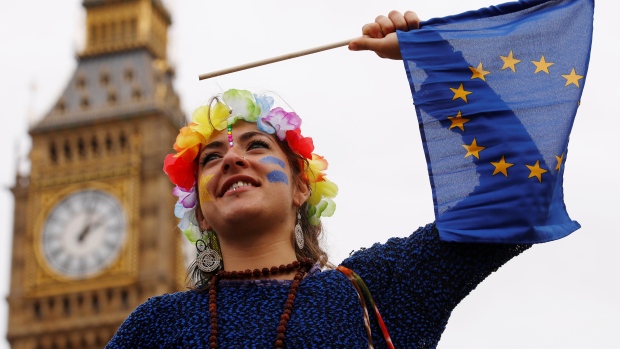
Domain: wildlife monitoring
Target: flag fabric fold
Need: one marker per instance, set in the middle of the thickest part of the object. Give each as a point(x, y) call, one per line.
point(496, 92)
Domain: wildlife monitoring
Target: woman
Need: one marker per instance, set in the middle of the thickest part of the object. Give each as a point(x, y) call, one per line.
point(251, 194)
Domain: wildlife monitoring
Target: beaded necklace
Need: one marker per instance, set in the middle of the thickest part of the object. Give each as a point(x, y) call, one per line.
point(302, 267)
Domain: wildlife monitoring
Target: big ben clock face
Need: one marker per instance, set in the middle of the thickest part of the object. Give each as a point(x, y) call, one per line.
point(83, 234)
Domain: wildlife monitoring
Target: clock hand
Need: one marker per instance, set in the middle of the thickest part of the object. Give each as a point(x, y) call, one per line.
point(84, 232)
point(96, 223)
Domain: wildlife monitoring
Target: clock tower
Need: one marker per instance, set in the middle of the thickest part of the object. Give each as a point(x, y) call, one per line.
point(94, 230)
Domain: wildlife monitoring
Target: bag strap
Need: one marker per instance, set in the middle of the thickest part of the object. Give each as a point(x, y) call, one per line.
point(364, 295)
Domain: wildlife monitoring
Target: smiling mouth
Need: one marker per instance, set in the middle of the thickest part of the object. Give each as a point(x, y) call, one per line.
point(238, 185)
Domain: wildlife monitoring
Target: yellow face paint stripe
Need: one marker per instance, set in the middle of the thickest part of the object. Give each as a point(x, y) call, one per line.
point(202, 188)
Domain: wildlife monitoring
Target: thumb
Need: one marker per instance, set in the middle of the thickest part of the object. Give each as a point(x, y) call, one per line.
point(363, 43)
point(386, 47)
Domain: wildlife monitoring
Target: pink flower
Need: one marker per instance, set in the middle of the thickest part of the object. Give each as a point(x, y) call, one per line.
point(282, 121)
point(187, 198)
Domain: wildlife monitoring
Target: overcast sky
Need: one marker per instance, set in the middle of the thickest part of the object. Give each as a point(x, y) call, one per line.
point(358, 109)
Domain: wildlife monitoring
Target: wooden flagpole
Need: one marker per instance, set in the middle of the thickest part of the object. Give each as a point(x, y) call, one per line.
point(274, 59)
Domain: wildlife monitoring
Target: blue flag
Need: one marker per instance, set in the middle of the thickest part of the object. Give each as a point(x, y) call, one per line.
point(496, 92)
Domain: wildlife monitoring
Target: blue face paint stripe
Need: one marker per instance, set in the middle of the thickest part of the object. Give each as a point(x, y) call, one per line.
point(272, 160)
point(277, 176)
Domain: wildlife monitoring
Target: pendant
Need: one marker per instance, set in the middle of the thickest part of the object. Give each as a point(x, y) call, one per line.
point(208, 260)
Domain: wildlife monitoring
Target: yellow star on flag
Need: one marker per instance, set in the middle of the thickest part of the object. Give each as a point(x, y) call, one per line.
point(473, 149)
point(536, 171)
point(501, 166)
point(458, 121)
point(542, 65)
point(560, 159)
point(510, 62)
point(460, 93)
point(479, 72)
point(204, 193)
point(572, 78)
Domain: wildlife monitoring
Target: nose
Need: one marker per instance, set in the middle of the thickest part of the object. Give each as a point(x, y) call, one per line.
point(233, 159)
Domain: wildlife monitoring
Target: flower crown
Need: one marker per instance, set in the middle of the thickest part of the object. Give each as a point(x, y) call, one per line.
point(237, 105)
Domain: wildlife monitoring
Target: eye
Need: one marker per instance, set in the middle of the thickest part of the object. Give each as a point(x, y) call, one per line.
point(208, 157)
point(257, 144)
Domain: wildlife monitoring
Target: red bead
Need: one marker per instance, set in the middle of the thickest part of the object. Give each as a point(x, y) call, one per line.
point(265, 271)
point(256, 272)
point(274, 270)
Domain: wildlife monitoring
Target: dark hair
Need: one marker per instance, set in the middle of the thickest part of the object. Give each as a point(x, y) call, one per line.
point(312, 233)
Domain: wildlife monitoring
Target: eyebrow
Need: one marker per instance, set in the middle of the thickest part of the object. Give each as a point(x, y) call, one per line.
point(244, 137)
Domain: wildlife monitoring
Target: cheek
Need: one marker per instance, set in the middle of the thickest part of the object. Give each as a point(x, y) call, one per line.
point(272, 160)
point(203, 183)
point(277, 176)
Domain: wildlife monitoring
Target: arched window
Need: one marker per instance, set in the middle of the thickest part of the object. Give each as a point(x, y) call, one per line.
point(53, 153)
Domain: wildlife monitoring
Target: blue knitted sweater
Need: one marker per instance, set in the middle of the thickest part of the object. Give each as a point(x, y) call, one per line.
point(416, 282)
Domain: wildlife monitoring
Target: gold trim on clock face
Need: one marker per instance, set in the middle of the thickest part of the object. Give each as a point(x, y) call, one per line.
point(83, 234)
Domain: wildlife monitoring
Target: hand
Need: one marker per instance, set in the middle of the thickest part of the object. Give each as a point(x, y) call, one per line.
point(380, 36)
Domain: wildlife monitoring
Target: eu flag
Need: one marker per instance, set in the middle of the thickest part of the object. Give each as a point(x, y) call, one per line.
point(496, 92)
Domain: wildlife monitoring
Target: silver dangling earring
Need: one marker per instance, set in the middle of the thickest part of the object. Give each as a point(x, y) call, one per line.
point(207, 259)
point(299, 233)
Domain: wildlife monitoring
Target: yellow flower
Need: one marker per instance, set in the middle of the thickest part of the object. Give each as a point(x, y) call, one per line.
point(188, 143)
point(202, 124)
point(316, 166)
point(322, 189)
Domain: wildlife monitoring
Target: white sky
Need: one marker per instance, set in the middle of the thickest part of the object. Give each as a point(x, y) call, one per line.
point(357, 108)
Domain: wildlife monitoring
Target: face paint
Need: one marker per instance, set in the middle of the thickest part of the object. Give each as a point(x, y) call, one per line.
point(277, 176)
point(202, 186)
point(272, 160)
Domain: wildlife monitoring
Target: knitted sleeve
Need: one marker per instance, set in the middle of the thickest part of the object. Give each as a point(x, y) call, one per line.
point(417, 281)
point(137, 330)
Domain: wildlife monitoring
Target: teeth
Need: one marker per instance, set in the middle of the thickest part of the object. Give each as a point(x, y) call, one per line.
point(239, 185)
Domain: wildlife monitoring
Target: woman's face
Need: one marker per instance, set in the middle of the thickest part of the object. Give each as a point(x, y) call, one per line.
point(250, 183)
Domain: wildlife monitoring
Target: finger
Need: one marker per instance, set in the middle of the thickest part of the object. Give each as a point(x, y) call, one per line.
point(413, 22)
point(372, 30)
point(398, 20)
point(385, 48)
point(358, 44)
point(386, 25)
